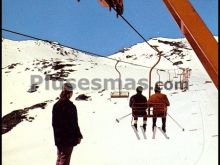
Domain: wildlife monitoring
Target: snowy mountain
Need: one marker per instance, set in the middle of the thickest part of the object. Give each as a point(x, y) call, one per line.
point(33, 72)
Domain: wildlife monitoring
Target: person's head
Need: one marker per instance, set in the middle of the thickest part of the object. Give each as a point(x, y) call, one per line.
point(67, 91)
point(157, 89)
point(139, 89)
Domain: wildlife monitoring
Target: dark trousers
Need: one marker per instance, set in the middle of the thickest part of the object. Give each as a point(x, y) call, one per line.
point(64, 155)
point(163, 122)
point(144, 118)
point(140, 113)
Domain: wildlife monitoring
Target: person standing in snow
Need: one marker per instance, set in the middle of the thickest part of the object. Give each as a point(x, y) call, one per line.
point(159, 102)
point(65, 125)
point(140, 101)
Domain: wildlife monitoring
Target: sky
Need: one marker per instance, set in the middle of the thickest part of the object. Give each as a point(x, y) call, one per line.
point(89, 26)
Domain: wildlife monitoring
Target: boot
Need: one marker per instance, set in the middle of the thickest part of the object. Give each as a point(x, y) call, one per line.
point(164, 129)
point(144, 127)
point(135, 125)
point(164, 124)
point(153, 127)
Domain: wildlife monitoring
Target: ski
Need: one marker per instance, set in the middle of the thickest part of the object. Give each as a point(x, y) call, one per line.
point(164, 134)
point(154, 132)
point(136, 132)
point(143, 132)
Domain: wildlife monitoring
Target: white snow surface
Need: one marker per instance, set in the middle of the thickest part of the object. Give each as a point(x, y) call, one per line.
point(105, 141)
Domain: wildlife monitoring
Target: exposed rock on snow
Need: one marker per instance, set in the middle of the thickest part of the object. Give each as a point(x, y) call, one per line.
point(82, 97)
point(10, 120)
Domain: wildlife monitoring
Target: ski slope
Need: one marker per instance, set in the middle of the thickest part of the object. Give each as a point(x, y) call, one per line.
point(105, 141)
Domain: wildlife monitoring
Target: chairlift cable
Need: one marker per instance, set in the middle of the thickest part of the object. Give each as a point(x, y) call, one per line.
point(87, 52)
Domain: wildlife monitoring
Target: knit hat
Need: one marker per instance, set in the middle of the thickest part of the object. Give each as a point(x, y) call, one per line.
point(139, 89)
point(67, 87)
point(157, 88)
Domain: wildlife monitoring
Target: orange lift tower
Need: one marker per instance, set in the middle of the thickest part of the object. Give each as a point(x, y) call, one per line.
point(197, 34)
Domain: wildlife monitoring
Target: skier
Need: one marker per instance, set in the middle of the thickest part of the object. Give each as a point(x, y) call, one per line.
point(65, 125)
point(135, 100)
point(159, 102)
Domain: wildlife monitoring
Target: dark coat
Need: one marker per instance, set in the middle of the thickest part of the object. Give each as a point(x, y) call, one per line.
point(65, 123)
point(138, 103)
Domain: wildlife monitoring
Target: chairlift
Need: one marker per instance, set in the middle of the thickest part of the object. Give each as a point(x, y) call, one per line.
point(181, 78)
point(190, 58)
point(188, 70)
point(175, 75)
point(185, 79)
point(119, 93)
point(139, 109)
point(169, 76)
point(157, 110)
point(181, 74)
point(148, 110)
point(159, 83)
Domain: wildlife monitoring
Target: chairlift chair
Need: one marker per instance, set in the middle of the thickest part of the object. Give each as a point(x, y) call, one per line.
point(119, 93)
point(169, 76)
point(175, 75)
point(157, 110)
point(159, 83)
point(139, 109)
point(148, 110)
point(181, 79)
point(190, 58)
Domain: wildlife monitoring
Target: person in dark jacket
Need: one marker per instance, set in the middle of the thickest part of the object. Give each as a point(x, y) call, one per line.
point(138, 103)
point(159, 102)
point(65, 125)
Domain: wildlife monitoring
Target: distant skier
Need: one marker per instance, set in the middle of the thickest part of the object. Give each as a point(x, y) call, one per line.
point(65, 125)
point(159, 102)
point(135, 101)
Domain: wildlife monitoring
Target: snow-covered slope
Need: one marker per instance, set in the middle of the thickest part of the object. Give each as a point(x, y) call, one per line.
point(105, 141)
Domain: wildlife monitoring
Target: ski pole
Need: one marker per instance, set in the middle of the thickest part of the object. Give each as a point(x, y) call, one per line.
point(122, 117)
point(176, 122)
